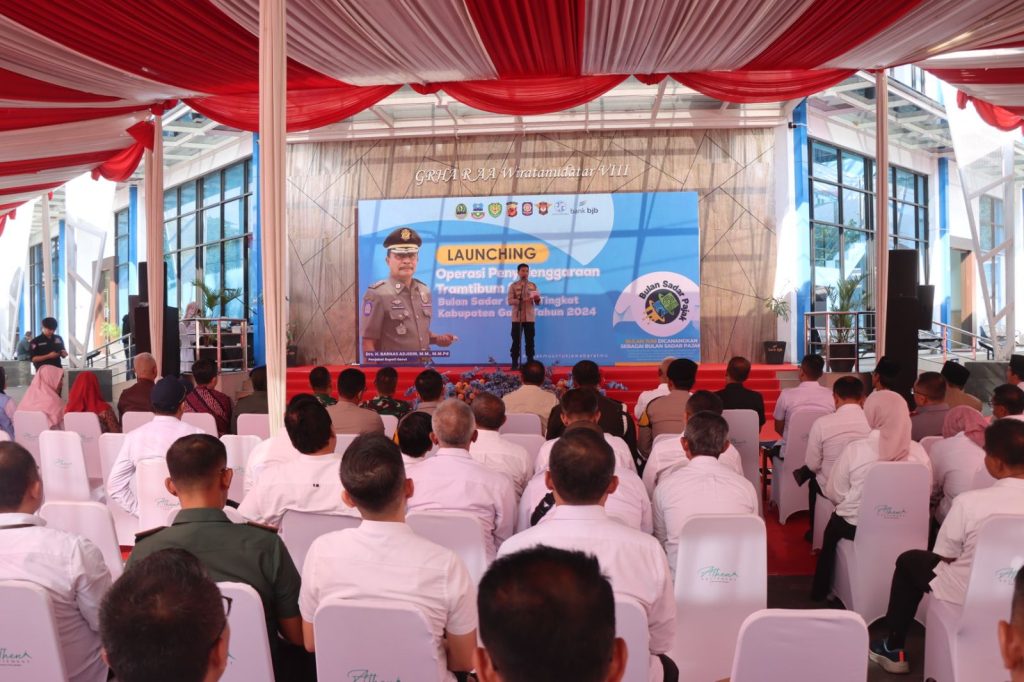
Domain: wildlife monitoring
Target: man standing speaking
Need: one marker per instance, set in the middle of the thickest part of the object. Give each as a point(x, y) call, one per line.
point(523, 296)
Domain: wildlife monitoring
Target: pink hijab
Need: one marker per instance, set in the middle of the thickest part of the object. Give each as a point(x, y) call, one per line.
point(42, 396)
point(887, 412)
point(968, 421)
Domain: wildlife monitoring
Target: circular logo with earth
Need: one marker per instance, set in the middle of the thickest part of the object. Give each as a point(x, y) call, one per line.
point(662, 306)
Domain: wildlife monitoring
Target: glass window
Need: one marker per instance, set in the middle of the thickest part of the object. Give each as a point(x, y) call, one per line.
point(212, 269)
point(234, 275)
point(234, 181)
point(250, 177)
point(170, 236)
point(188, 230)
point(824, 162)
point(854, 211)
point(188, 197)
point(172, 281)
point(853, 170)
point(211, 189)
point(170, 203)
point(234, 221)
point(211, 224)
point(825, 205)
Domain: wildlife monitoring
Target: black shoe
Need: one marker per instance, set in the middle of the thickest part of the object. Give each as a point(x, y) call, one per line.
point(515, 367)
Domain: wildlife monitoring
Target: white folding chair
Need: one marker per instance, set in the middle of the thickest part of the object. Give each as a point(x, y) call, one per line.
point(960, 643)
point(90, 520)
point(928, 441)
point(360, 635)
point(126, 525)
point(133, 420)
point(522, 422)
point(531, 441)
point(662, 437)
point(893, 518)
point(788, 496)
point(982, 479)
point(299, 529)
point(254, 425)
point(631, 625)
point(201, 420)
point(801, 645)
point(390, 424)
point(745, 435)
point(27, 427)
point(343, 441)
point(239, 448)
point(28, 631)
point(248, 649)
point(4, 438)
point(62, 466)
point(823, 510)
point(459, 532)
point(721, 578)
point(155, 502)
point(87, 425)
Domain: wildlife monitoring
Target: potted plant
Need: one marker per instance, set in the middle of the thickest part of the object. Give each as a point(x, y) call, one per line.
point(847, 298)
point(775, 351)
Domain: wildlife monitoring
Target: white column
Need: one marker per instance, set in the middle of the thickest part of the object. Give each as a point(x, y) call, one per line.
point(881, 207)
point(154, 186)
point(47, 258)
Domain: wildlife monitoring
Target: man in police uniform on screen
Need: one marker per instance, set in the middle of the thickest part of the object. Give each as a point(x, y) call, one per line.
point(397, 311)
point(48, 347)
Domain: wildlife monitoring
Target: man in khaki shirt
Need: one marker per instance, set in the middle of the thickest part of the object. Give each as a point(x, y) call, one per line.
point(346, 415)
point(667, 414)
point(531, 397)
point(523, 296)
point(956, 376)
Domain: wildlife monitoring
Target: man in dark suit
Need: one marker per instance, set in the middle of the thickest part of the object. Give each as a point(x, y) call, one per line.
point(735, 396)
point(614, 420)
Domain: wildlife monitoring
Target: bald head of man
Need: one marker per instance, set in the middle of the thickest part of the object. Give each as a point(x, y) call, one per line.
point(145, 366)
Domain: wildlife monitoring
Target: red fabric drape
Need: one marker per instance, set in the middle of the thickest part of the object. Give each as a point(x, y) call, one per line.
point(25, 189)
point(16, 119)
point(531, 37)
point(526, 96)
point(995, 76)
point(120, 166)
point(17, 86)
point(51, 162)
point(3, 223)
point(997, 117)
point(745, 87)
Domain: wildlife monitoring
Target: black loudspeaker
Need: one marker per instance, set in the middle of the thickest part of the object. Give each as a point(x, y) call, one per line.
point(171, 361)
point(903, 274)
point(903, 312)
point(925, 303)
point(143, 282)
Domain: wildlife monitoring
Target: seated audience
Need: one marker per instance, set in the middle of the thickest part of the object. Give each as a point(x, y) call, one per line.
point(667, 414)
point(205, 398)
point(945, 572)
point(662, 389)
point(1008, 401)
point(452, 480)
point(889, 441)
point(581, 477)
point(230, 552)
point(320, 382)
point(957, 457)
point(153, 441)
point(930, 398)
point(346, 415)
point(165, 620)
point(308, 483)
point(430, 389)
point(384, 559)
point(531, 397)
point(956, 376)
point(580, 409)
point(135, 398)
point(1015, 371)
point(548, 615)
point(807, 395)
point(1011, 634)
point(43, 395)
point(413, 438)
point(736, 396)
point(84, 396)
point(255, 402)
point(703, 486)
point(7, 407)
point(70, 568)
point(885, 374)
point(614, 421)
point(385, 402)
point(276, 449)
point(495, 452)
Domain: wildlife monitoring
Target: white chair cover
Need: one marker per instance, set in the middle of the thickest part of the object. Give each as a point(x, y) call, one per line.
point(63, 467)
point(928, 441)
point(531, 441)
point(823, 510)
point(390, 424)
point(248, 648)
point(299, 529)
point(721, 578)
point(745, 435)
point(522, 422)
point(155, 502)
point(343, 441)
point(960, 641)
point(125, 524)
point(790, 497)
point(201, 420)
point(27, 427)
point(361, 635)
point(893, 518)
point(982, 478)
point(91, 520)
point(254, 425)
point(459, 532)
point(133, 420)
point(87, 425)
point(802, 646)
point(239, 448)
point(28, 631)
point(631, 625)
point(662, 437)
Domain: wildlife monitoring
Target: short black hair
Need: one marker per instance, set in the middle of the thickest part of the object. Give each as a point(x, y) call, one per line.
point(1004, 440)
point(49, 323)
point(196, 460)
point(18, 471)
point(489, 411)
point(204, 371)
point(813, 365)
point(430, 385)
point(3, 380)
point(521, 266)
point(704, 401)
point(548, 615)
point(888, 371)
point(579, 401)
point(308, 424)
point(738, 369)
point(1017, 607)
point(1009, 397)
point(586, 374)
point(682, 373)
point(413, 434)
point(320, 379)
point(351, 382)
point(707, 434)
point(258, 377)
point(533, 372)
point(932, 385)
point(582, 466)
point(386, 380)
point(848, 388)
point(372, 472)
point(160, 619)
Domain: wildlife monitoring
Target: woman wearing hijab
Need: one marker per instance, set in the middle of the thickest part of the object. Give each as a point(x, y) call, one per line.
point(7, 407)
point(43, 395)
point(957, 457)
point(889, 441)
point(188, 328)
point(85, 397)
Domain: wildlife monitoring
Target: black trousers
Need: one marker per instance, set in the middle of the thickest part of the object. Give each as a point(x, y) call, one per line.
point(813, 490)
point(670, 667)
point(914, 570)
point(836, 530)
point(518, 329)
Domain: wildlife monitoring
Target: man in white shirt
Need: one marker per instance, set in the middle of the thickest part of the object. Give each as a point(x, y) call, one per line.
point(150, 441)
point(1011, 634)
point(703, 486)
point(531, 398)
point(452, 480)
point(276, 449)
point(1007, 401)
point(1015, 371)
point(629, 504)
point(662, 389)
point(413, 437)
point(581, 409)
point(581, 477)
point(309, 483)
point(384, 559)
point(945, 572)
point(70, 568)
point(493, 451)
point(808, 395)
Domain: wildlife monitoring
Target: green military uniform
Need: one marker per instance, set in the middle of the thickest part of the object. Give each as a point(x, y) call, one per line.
point(325, 399)
point(396, 316)
point(383, 404)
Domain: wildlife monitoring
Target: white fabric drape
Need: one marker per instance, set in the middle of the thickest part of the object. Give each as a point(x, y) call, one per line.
point(273, 251)
point(43, 177)
point(47, 260)
point(65, 139)
point(881, 209)
point(154, 187)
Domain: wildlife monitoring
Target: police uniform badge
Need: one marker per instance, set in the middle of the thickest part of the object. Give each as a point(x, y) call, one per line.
point(367, 307)
point(406, 234)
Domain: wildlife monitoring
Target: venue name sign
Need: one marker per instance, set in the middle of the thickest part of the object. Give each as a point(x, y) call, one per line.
point(489, 173)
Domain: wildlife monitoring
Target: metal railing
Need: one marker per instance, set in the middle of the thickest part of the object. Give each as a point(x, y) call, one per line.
point(117, 366)
point(200, 328)
point(952, 345)
point(825, 330)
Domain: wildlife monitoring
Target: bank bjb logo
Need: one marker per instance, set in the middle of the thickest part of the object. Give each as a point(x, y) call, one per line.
point(494, 209)
point(14, 659)
point(661, 303)
point(461, 211)
point(478, 211)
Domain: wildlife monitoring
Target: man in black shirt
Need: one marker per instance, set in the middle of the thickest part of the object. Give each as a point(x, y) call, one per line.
point(48, 347)
point(615, 421)
point(735, 396)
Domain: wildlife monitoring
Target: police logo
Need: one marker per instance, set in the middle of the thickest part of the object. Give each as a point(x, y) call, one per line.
point(527, 208)
point(512, 208)
point(494, 209)
point(406, 234)
point(367, 308)
point(542, 207)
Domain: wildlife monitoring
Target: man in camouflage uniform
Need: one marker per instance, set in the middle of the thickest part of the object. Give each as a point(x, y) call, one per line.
point(386, 383)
